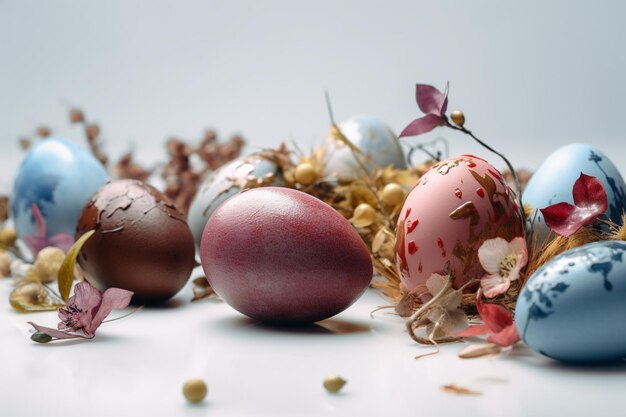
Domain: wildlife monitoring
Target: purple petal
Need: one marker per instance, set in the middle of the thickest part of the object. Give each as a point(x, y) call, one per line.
point(86, 298)
point(35, 243)
point(112, 298)
point(40, 221)
point(430, 100)
point(57, 334)
point(444, 103)
point(62, 241)
point(422, 125)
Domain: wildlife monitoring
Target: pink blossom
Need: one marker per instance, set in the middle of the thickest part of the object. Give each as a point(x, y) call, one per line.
point(590, 201)
point(40, 240)
point(434, 104)
point(498, 325)
point(85, 311)
point(503, 262)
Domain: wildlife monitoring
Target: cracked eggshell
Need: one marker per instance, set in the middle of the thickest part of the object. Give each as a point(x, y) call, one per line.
point(572, 308)
point(370, 135)
point(59, 177)
point(142, 242)
point(247, 172)
point(455, 206)
point(280, 255)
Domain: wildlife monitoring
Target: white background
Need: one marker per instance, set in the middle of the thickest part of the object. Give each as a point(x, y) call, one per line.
point(530, 76)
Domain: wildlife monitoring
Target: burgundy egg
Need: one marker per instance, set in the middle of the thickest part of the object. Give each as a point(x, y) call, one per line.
point(142, 242)
point(280, 255)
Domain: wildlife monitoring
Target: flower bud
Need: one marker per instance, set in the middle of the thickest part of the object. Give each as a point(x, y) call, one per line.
point(305, 174)
point(458, 118)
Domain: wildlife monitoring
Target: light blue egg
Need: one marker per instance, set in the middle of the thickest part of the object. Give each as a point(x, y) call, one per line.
point(373, 137)
point(574, 307)
point(553, 182)
point(245, 172)
point(59, 177)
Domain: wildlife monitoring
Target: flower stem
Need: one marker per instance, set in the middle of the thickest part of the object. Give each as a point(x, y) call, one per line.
point(518, 188)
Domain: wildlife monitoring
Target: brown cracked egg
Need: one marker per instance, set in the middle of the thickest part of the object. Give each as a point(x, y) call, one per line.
point(141, 242)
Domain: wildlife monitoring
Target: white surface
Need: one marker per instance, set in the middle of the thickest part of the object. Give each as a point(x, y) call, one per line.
point(136, 366)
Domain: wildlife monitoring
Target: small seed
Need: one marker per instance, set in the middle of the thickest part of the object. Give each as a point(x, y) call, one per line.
point(195, 390)
point(40, 337)
point(305, 174)
point(393, 194)
point(458, 117)
point(334, 383)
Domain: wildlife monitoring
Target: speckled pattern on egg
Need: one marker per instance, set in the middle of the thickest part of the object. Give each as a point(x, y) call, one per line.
point(456, 205)
point(573, 308)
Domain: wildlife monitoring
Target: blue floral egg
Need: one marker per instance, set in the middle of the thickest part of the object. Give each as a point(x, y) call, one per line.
point(574, 307)
point(553, 182)
point(59, 177)
point(373, 137)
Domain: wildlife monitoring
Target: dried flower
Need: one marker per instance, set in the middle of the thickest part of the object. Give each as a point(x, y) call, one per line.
point(5, 264)
point(85, 311)
point(44, 131)
point(503, 262)
point(77, 116)
point(458, 390)
point(39, 241)
point(434, 104)
point(445, 316)
point(4, 208)
point(48, 263)
point(498, 325)
point(30, 296)
point(590, 201)
point(8, 236)
point(364, 215)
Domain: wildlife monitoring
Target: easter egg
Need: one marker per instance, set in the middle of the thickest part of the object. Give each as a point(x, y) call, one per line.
point(59, 177)
point(280, 255)
point(141, 244)
point(553, 182)
point(455, 206)
point(247, 172)
point(374, 138)
point(572, 308)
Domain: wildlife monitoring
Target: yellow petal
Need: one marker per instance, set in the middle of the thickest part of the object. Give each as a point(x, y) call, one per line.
point(66, 272)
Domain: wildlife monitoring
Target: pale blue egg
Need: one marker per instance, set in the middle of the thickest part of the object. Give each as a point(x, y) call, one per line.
point(373, 137)
point(553, 182)
point(59, 177)
point(246, 172)
point(574, 307)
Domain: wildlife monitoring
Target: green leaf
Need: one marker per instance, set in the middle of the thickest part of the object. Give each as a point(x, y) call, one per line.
point(66, 272)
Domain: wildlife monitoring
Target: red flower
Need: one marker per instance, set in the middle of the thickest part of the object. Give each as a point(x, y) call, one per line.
point(590, 201)
point(434, 104)
point(498, 325)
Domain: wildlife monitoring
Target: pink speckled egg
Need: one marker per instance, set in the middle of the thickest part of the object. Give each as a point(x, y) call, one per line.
point(457, 205)
point(280, 255)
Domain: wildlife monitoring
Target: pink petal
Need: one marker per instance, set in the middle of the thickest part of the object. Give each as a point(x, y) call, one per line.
point(422, 125)
point(57, 333)
point(112, 298)
point(86, 297)
point(35, 243)
point(494, 285)
point(494, 316)
point(519, 247)
point(444, 103)
point(506, 337)
point(589, 192)
point(40, 221)
point(558, 218)
point(476, 330)
point(62, 241)
point(491, 253)
point(430, 100)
